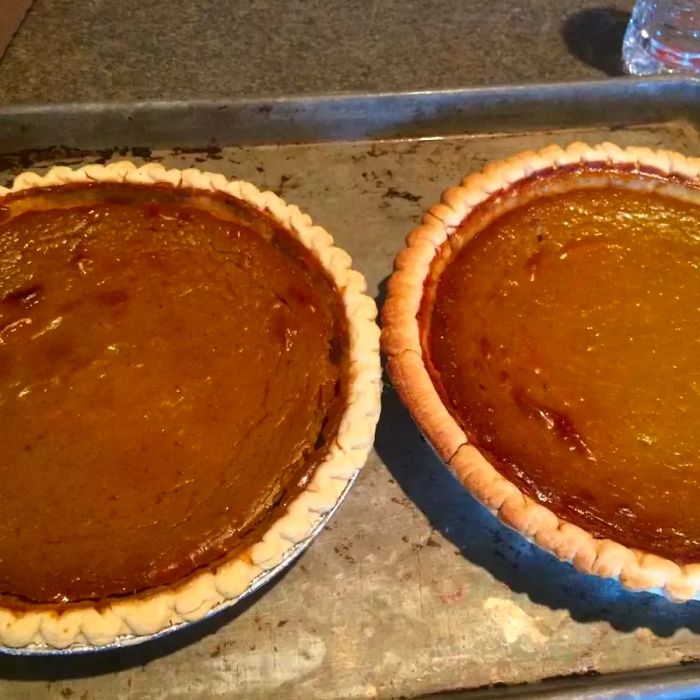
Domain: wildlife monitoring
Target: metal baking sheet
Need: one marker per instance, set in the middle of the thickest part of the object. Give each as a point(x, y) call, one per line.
point(413, 588)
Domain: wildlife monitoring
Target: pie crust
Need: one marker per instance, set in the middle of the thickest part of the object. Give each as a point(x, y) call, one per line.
point(147, 614)
point(401, 342)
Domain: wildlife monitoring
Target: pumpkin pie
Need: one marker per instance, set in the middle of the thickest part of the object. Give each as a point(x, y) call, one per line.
point(543, 328)
point(189, 379)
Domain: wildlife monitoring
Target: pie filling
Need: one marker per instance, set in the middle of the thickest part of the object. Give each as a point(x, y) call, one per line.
point(564, 336)
point(172, 370)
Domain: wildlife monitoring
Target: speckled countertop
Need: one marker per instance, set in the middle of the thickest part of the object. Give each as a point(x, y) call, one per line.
point(94, 50)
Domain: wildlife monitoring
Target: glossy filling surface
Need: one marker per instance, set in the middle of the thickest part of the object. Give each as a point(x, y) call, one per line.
point(565, 338)
point(171, 371)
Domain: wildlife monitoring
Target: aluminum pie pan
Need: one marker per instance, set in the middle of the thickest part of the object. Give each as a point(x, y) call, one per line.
point(130, 640)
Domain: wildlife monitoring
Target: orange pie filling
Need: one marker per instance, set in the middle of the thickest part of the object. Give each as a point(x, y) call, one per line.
point(563, 334)
point(172, 370)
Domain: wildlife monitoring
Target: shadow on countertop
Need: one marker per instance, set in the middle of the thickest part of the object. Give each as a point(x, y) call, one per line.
point(595, 36)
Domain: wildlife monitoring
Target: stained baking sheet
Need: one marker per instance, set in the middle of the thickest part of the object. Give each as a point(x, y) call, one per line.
point(413, 589)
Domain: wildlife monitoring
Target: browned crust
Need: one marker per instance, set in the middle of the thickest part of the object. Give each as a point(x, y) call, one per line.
point(634, 568)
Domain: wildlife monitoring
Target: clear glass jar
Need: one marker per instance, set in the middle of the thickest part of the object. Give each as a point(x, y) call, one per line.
point(663, 36)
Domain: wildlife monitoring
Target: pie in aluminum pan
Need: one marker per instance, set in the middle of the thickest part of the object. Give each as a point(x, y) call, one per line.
point(542, 326)
point(190, 379)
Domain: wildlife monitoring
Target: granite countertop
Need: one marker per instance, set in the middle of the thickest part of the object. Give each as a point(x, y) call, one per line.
point(95, 50)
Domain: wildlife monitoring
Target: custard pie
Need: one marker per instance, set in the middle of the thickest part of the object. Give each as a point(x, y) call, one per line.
point(189, 378)
point(543, 327)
